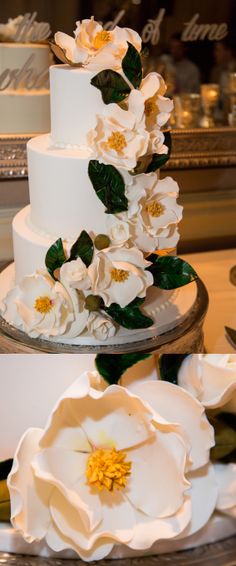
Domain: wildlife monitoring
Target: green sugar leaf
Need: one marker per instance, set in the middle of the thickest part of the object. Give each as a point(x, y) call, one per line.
point(83, 248)
point(109, 186)
point(170, 272)
point(130, 316)
point(112, 86)
point(132, 66)
point(111, 367)
point(55, 257)
point(169, 365)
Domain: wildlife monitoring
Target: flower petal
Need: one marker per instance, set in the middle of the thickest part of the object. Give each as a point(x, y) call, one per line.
point(158, 468)
point(29, 495)
point(226, 478)
point(177, 406)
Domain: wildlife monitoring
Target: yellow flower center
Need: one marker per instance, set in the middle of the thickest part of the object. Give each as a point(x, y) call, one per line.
point(155, 209)
point(101, 38)
point(43, 304)
point(119, 275)
point(116, 141)
point(107, 469)
point(150, 106)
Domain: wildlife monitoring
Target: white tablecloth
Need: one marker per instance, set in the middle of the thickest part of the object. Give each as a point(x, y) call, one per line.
point(213, 268)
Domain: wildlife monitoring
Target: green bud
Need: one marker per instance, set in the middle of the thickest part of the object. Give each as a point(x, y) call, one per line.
point(93, 303)
point(102, 241)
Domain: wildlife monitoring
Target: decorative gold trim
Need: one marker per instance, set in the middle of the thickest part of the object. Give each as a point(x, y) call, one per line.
point(200, 147)
point(213, 147)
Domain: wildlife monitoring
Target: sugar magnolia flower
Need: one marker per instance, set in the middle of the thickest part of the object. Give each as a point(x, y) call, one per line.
point(211, 379)
point(157, 106)
point(95, 47)
point(8, 30)
point(75, 274)
point(120, 136)
point(39, 306)
point(117, 230)
point(100, 326)
point(109, 468)
point(119, 275)
point(153, 212)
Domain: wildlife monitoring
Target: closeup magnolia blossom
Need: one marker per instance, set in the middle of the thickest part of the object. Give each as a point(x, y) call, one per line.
point(153, 212)
point(211, 379)
point(95, 47)
point(119, 466)
point(119, 275)
point(157, 106)
point(120, 136)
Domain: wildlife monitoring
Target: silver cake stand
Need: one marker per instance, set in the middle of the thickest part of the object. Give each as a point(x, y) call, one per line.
point(187, 337)
point(221, 553)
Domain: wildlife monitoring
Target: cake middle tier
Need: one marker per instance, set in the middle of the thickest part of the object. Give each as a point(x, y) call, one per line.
point(63, 201)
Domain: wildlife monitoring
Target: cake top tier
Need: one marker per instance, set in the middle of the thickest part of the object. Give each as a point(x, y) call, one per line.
point(24, 29)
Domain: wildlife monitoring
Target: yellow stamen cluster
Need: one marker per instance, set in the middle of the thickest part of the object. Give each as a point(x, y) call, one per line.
point(155, 209)
point(43, 305)
point(116, 141)
point(150, 106)
point(119, 275)
point(101, 38)
point(107, 469)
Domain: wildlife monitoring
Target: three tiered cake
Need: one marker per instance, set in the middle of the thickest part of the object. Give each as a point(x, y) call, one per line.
point(94, 250)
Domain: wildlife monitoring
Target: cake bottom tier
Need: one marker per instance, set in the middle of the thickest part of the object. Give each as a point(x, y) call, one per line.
point(24, 112)
point(218, 528)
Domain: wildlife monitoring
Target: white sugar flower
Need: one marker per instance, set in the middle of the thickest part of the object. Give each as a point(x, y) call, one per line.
point(42, 307)
point(211, 379)
point(120, 137)
point(75, 274)
point(119, 275)
point(100, 326)
point(96, 47)
point(157, 106)
point(118, 231)
point(153, 212)
point(110, 469)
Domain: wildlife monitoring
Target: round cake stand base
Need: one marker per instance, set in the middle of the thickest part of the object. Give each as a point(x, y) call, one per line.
point(221, 553)
point(186, 338)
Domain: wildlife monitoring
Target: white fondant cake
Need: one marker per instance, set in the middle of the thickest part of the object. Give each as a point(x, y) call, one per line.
point(178, 498)
point(24, 83)
point(98, 209)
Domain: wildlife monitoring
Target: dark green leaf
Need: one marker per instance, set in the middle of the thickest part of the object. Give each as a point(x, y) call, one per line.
point(109, 186)
point(83, 248)
point(112, 86)
point(132, 65)
point(55, 257)
point(5, 468)
point(169, 365)
point(160, 159)
point(225, 435)
point(170, 272)
point(111, 367)
point(130, 316)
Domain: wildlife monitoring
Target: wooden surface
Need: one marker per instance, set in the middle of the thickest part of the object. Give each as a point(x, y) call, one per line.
point(218, 554)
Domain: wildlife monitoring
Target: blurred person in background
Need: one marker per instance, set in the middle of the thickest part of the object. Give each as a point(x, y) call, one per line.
point(186, 73)
point(225, 63)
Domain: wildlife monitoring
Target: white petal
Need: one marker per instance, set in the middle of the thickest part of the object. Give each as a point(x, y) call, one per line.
point(150, 85)
point(177, 406)
point(147, 530)
point(226, 478)
point(157, 484)
point(29, 496)
point(203, 495)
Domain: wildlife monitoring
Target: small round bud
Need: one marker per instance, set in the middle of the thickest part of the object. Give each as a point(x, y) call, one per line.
point(93, 303)
point(102, 241)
